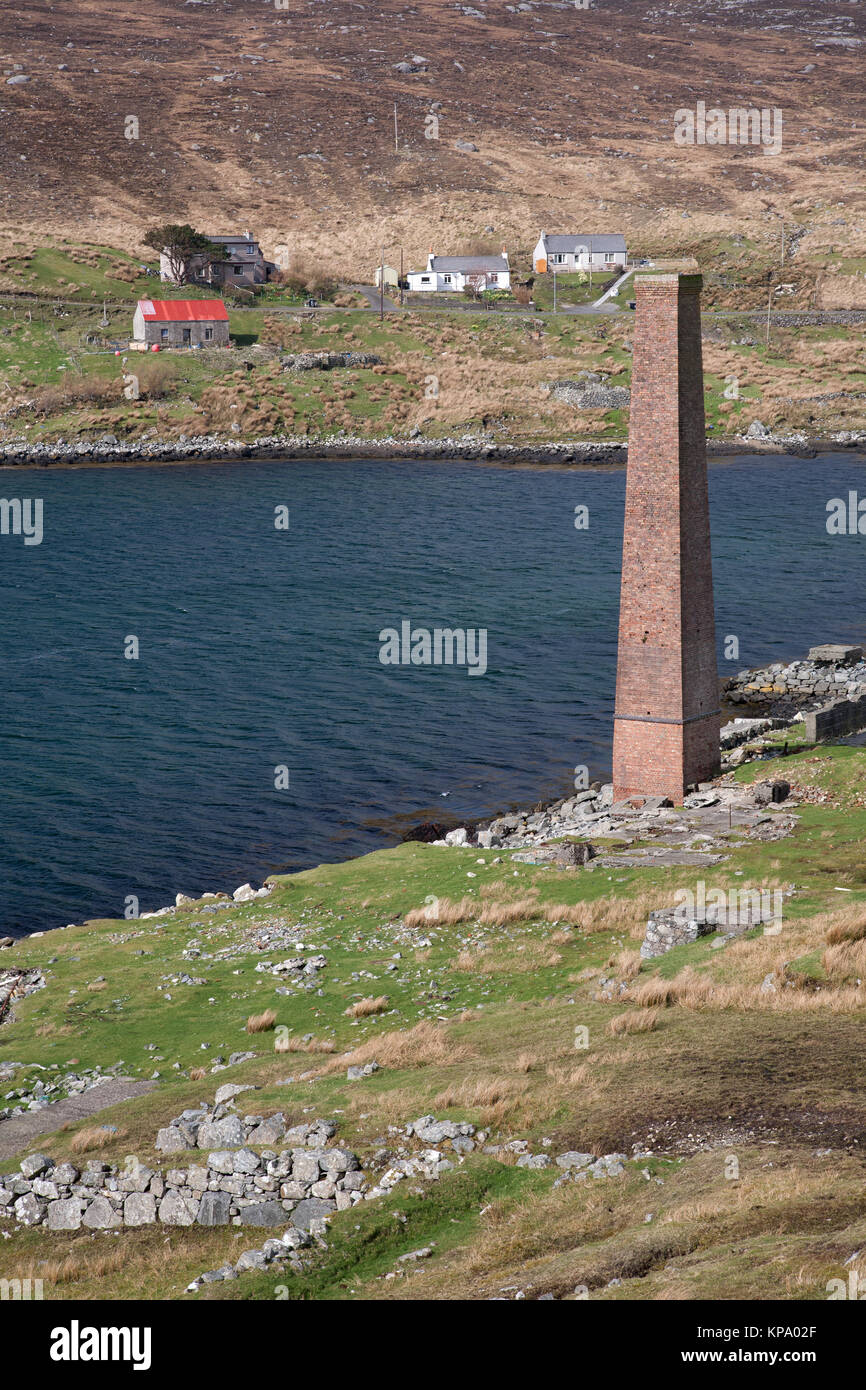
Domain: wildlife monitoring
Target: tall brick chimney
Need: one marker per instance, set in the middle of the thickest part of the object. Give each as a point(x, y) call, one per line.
point(666, 722)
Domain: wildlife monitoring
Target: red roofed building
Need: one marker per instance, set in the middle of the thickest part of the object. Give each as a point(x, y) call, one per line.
point(181, 323)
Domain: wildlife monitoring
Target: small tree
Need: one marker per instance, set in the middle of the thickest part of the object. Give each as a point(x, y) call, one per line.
point(182, 244)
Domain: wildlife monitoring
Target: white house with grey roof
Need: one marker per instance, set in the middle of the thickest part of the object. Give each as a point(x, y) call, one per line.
point(589, 251)
point(456, 272)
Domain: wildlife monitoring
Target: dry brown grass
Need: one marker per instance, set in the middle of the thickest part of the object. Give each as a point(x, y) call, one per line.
point(425, 1045)
point(493, 1098)
point(261, 1023)
point(847, 961)
point(525, 1061)
point(96, 985)
point(442, 911)
point(634, 1021)
point(197, 1073)
point(561, 938)
point(847, 925)
point(499, 909)
point(607, 914)
point(627, 964)
point(95, 1137)
point(75, 1267)
point(364, 1008)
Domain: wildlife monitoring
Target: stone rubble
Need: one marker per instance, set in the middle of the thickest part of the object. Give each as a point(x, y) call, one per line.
point(36, 1095)
point(829, 672)
point(693, 834)
point(301, 1184)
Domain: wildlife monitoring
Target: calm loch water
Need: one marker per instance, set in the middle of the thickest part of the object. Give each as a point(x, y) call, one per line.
point(259, 655)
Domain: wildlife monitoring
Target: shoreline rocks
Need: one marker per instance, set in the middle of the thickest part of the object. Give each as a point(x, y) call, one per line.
point(213, 448)
point(829, 672)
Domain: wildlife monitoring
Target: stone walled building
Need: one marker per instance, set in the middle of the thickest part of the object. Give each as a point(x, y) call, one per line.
point(180, 323)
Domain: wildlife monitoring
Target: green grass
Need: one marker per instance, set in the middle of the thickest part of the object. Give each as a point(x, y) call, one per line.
point(506, 1015)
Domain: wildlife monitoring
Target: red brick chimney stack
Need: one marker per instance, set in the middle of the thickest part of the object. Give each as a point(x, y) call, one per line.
point(666, 723)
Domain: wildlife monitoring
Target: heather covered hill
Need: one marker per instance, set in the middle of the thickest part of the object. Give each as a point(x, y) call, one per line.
point(283, 119)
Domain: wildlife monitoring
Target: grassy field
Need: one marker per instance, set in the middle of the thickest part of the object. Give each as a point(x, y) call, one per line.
point(62, 368)
point(478, 999)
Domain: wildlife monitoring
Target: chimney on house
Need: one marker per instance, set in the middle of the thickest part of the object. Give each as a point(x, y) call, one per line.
point(666, 722)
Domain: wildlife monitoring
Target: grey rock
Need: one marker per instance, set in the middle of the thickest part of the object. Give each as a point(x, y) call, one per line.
point(245, 1161)
point(99, 1215)
point(306, 1167)
point(34, 1164)
point(270, 1131)
point(263, 1214)
point(170, 1140)
point(139, 1209)
point(251, 1259)
point(214, 1209)
point(29, 1211)
point(227, 1133)
point(222, 1161)
point(310, 1210)
point(64, 1215)
point(177, 1210)
point(65, 1174)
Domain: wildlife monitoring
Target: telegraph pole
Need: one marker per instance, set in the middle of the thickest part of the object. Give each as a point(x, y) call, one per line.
point(382, 288)
point(396, 146)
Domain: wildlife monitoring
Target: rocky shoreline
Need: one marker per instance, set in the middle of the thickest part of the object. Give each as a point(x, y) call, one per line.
point(107, 449)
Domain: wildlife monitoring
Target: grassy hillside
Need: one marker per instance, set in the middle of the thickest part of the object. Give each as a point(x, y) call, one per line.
point(465, 977)
point(442, 373)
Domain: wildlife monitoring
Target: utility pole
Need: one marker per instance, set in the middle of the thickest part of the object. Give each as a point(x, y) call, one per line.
point(401, 277)
point(396, 146)
point(553, 268)
point(382, 288)
point(769, 303)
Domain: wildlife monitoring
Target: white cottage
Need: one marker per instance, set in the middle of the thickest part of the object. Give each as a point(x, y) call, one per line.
point(591, 251)
point(456, 272)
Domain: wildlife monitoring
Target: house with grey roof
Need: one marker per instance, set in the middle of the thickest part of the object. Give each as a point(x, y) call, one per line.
point(244, 265)
point(458, 272)
point(584, 251)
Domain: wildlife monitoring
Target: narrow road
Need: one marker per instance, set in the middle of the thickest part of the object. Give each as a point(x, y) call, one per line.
point(22, 1131)
point(371, 294)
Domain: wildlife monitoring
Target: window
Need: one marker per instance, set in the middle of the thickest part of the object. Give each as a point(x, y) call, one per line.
point(447, 279)
point(186, 335)
point(425, 279)
point(238, 269)
point(163, 335)
point(208, 334)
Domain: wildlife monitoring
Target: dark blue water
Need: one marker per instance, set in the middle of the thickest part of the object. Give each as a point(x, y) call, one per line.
point(259, 648)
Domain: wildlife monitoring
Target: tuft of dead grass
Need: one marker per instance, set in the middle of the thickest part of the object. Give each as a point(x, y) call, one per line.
point(634, 1021)
point(427, 1044)
point(261, 1023)
point(95, 1137)
point(365, 1008)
